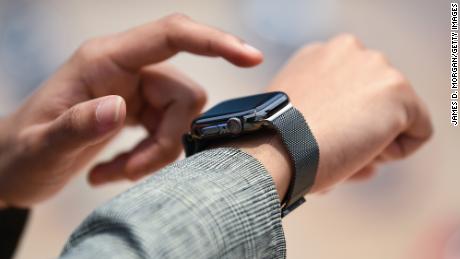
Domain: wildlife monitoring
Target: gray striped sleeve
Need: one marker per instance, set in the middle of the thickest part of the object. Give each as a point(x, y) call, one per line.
point(220, 203)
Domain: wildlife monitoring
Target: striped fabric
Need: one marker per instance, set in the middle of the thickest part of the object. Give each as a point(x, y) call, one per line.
point(220, 203)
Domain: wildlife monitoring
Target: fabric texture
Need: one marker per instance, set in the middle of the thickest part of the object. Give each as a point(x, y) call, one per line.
point(220, 203)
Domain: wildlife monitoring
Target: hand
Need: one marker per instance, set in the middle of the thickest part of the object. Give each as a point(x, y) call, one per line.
point(109, 82)
point(361, 110)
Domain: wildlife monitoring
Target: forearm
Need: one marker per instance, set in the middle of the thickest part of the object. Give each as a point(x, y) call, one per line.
point(219, 203)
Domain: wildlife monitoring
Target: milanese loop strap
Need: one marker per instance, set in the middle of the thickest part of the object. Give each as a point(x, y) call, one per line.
point(301, 146)
point(304, 153)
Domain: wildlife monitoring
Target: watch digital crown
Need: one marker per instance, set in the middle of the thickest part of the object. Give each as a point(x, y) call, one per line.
point(249, 114)
point(234, 126)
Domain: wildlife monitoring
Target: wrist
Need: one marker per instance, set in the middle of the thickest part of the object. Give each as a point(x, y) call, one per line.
point(269, 150)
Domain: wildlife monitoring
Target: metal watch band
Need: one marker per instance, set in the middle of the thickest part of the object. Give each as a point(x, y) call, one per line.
point(303, 151)
point(302, 148)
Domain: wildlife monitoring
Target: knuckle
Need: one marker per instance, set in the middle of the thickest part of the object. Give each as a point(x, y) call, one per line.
point(175, 19)
point(348, 39)
point(192, 99)
point(227, 37)
point(398, 88)
point(91, 50)
point(71, 117)
point(378, 56)
point(395, 89)
point(198, 98)
point(70, 122)
point(174, 26)
point(400, 118)
point(429, 131)
point(397, 80)
point(28, 143)
point(426, 122)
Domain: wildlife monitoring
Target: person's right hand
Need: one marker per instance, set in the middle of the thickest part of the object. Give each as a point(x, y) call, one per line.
point(361, 110)
point(110, 82)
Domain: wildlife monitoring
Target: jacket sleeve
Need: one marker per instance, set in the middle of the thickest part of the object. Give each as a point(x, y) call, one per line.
point(220, 203)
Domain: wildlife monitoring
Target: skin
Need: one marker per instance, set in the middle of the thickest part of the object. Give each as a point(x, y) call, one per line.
point(110, 82)
point(361, 110)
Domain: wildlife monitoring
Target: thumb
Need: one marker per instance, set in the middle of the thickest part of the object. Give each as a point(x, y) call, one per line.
point(88, 123)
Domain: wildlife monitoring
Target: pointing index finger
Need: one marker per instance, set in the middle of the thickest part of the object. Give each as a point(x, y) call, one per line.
point(160, 40)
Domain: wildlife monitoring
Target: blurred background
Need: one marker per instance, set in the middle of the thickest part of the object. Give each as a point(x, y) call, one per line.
point(390, 216)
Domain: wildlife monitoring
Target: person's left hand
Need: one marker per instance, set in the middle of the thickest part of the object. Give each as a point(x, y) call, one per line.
point(109, 82)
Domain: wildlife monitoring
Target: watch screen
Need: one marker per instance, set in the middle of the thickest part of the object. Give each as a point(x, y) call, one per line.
point(239, 104)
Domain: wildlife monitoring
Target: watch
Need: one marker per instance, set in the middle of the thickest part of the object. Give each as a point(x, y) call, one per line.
point(250, 114)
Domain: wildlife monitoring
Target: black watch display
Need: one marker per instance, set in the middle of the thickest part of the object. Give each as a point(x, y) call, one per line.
point(250, 114)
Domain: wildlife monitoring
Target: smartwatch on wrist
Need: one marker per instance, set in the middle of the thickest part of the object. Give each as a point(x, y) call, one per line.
point(250, 114)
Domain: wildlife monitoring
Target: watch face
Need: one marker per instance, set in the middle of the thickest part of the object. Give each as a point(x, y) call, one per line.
point(241, 105)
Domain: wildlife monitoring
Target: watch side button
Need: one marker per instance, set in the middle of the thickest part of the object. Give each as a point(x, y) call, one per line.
point(210, 130)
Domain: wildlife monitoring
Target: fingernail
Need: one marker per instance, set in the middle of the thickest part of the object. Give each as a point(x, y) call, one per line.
point(108, 110)
point(252, 49)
